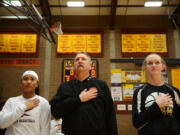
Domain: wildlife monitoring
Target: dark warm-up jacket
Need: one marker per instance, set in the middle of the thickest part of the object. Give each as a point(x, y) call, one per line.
point(95, 117)
point(148, 118)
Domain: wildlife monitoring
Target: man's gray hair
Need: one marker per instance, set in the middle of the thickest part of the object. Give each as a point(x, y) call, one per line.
point(89, 57)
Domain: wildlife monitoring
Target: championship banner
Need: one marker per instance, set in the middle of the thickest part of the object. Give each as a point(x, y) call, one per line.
point(158, 43)
point(18, 43)
point(128, 43)
point(72, 43)
point(64, 44)
point(144, 43)
point(78, 43)
point(93, 43)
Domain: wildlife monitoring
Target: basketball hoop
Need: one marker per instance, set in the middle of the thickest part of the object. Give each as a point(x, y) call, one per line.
point(57, 28)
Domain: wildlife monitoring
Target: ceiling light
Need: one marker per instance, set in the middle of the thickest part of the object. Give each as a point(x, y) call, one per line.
point(153, 4)
point(75, 4)
point(12, 3)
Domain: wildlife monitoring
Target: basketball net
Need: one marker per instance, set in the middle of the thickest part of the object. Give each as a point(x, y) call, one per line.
point(57, 28)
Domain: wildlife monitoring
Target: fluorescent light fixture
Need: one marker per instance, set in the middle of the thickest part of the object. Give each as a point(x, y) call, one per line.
point(153, 4)
point(13, 17)
point(75, 4)
point(12, 2)
point(16, 3)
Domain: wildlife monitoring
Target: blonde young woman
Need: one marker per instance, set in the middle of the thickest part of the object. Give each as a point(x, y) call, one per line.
point(156, 104)
point(27, 114)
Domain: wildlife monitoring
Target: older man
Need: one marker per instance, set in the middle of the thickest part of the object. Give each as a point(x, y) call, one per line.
point(85, 103)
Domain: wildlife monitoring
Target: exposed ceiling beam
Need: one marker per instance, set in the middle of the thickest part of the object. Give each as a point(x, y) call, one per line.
point(103, 6)
point(175, 17)
point(47, 15)
point(177, 10)
point(107, 6)
point(46, 10)
point(113, 14)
